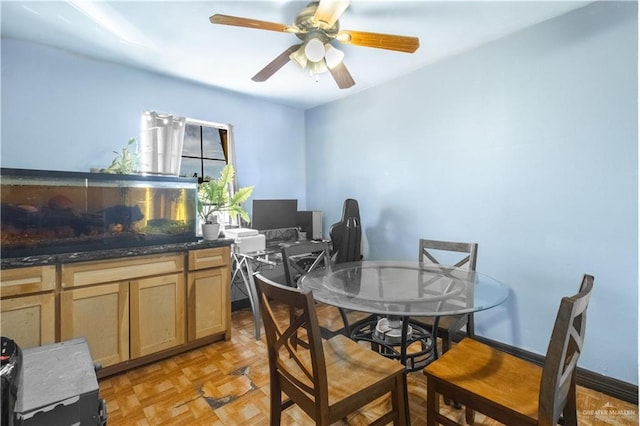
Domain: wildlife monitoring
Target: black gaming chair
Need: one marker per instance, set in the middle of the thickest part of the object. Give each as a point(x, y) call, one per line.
point(345, 247)
point(346, 234)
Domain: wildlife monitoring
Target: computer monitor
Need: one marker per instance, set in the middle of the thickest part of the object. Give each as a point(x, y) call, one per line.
point(274, 214)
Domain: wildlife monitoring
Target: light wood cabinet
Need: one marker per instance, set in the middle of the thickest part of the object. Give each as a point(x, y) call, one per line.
point(157, 314)
point(100, 314)
point(131, 311)
point(29, 320)
point(28, 305)
point(208, 293)
point(129, 317)
point(207, 300)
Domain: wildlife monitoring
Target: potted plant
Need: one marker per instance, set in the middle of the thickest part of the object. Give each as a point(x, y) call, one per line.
point(126, 162)
point(214, 197)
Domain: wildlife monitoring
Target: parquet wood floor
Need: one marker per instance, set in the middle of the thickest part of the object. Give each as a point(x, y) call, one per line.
point(227, 383)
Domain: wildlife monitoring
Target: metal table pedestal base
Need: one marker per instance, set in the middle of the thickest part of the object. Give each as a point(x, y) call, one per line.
point(395, 345)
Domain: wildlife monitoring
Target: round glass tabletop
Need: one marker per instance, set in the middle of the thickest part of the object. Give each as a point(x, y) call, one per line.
point(404, 288)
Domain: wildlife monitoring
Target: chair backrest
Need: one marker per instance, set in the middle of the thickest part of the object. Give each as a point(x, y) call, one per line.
point(431, 251)
point(300, 258)
point(346, 235)
point(300, 369)
point(559, 373)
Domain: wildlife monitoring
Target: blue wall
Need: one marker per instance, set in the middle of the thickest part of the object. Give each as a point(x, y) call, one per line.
point(527, 146)
point(66, 112)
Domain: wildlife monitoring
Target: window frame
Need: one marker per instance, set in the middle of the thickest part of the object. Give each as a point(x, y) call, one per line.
point(229, 149)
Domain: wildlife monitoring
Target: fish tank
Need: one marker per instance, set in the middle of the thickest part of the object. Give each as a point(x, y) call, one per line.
point(47, 212)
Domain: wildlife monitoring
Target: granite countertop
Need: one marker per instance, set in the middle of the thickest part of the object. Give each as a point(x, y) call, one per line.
point(83, 256)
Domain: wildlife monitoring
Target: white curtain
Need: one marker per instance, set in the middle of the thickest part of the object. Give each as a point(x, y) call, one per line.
point(161, 140)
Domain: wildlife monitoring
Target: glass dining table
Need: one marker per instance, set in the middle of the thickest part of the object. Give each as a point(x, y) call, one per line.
point(396, 291)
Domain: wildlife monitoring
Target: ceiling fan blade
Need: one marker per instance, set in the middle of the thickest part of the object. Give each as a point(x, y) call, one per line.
point(381, 41)
point(329, 11)
point(275, 65)
point(252, 23)
point(341, 75)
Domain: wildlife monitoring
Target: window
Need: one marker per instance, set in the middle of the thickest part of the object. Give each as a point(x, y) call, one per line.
point(206, 150)
point(173, 145)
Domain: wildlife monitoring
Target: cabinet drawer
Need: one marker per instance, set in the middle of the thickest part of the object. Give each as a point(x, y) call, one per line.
point(86, 273)
point(33, 279)
point(208, 258)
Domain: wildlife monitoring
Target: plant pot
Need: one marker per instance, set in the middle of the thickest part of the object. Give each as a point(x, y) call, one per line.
point(210, 231)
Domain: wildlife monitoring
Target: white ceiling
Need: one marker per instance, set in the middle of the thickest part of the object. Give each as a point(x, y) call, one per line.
point(177, 39)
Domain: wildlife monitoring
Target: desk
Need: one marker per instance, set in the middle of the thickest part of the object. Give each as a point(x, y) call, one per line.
point(245, 265)
point(398, 290)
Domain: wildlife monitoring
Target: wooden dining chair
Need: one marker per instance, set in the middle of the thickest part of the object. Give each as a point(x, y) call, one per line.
point(300, 258)
point(460, 255)
point(507, 388)
point(327, 379)
point(303, 257)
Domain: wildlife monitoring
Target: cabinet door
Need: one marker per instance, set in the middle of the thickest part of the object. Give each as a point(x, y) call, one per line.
point(157, 314)
point(100, 314)
point(207, 302)
point(29, 320)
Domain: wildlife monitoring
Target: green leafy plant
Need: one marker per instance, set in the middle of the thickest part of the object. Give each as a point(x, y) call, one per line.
point(214, 196)
point(125, 162)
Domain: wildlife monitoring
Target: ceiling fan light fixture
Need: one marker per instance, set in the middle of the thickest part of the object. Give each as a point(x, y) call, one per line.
point(318, 67)
point(299, 57)
point(314, 50)
point(332, 56)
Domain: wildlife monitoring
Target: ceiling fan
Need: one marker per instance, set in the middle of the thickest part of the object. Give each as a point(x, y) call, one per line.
point(317, 26)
